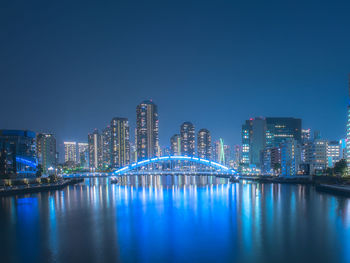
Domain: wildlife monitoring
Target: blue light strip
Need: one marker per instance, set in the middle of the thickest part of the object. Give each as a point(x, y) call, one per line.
point(26, 162)
point(176, 158)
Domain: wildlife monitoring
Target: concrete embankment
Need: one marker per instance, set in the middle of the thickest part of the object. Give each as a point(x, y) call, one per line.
point(280, 180)
point(316, 180)
point(343, 190)
point(332, 185)
point(38, 188)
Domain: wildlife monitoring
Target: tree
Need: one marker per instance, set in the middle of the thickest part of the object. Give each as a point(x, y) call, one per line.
point(3, 171)
point(39, 171)
point(330, 171)
point(277, 168)
point(341, 167)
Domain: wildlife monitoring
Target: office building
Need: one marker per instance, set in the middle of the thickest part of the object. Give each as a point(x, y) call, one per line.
point(147, 128)
point(305, 135)
point(237, 155)
point(279, 129)
point(18, 153)
point(316, 156)
point(253, 141)
point(290, 157)
point(271, 160)
point(334, 153)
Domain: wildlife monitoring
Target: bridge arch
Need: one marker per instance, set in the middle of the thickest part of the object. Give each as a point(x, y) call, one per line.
point(144, 163)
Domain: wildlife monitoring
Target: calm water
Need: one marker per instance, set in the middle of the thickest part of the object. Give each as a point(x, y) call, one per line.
point(175, 219)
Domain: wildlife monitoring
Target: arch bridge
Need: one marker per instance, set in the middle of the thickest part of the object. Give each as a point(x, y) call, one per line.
point(176, 165)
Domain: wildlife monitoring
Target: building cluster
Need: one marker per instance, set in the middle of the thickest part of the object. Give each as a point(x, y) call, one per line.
point(111, 147)
point(281, 146)
point(24, 153)
point(269, 146)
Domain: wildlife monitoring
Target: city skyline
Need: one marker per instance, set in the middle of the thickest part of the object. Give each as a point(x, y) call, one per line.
point(175, 131)
point(164, 140)
point(167, 144)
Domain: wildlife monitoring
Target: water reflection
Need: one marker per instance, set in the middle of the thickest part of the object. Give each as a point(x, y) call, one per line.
point(175, 219)
point(169, 180)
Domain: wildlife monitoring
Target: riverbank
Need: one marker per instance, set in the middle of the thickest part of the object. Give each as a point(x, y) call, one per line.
point(343, 190)
point(27, 189)
point(326, 184)
point(280, 180)
point(315, 180)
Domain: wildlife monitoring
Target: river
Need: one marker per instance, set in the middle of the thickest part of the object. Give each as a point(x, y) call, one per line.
point(175, 219)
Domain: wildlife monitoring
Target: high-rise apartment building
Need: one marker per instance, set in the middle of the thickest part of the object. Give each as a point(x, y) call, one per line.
point(70, 152)
point(204, 144)
point(133, 153)
point(147, 128)
point(95, 141)
point(83, 154)
point(348, 133)
point(46, 152)
point(187, 133)
point(106, 147)
point(175, 144)
point(120, 142)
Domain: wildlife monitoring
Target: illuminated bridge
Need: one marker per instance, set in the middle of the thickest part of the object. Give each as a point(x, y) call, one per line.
point(175, 165)
point(169, 165)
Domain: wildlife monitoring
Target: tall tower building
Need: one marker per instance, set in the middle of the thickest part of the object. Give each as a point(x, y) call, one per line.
point(348, 133)
point(106, 147)
point(204, 144)
point(254, 138)
point(46, 152)
point(187, 134)
point(83, 154)
point(175, 144)
point(95, 142)
point(70, 152)
point(120, 142)
point(147, 128)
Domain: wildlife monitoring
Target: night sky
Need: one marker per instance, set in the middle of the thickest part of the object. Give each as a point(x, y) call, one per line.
point(70, 67)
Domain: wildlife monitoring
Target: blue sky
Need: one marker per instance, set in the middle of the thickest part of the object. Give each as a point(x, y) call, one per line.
point(70, 67)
